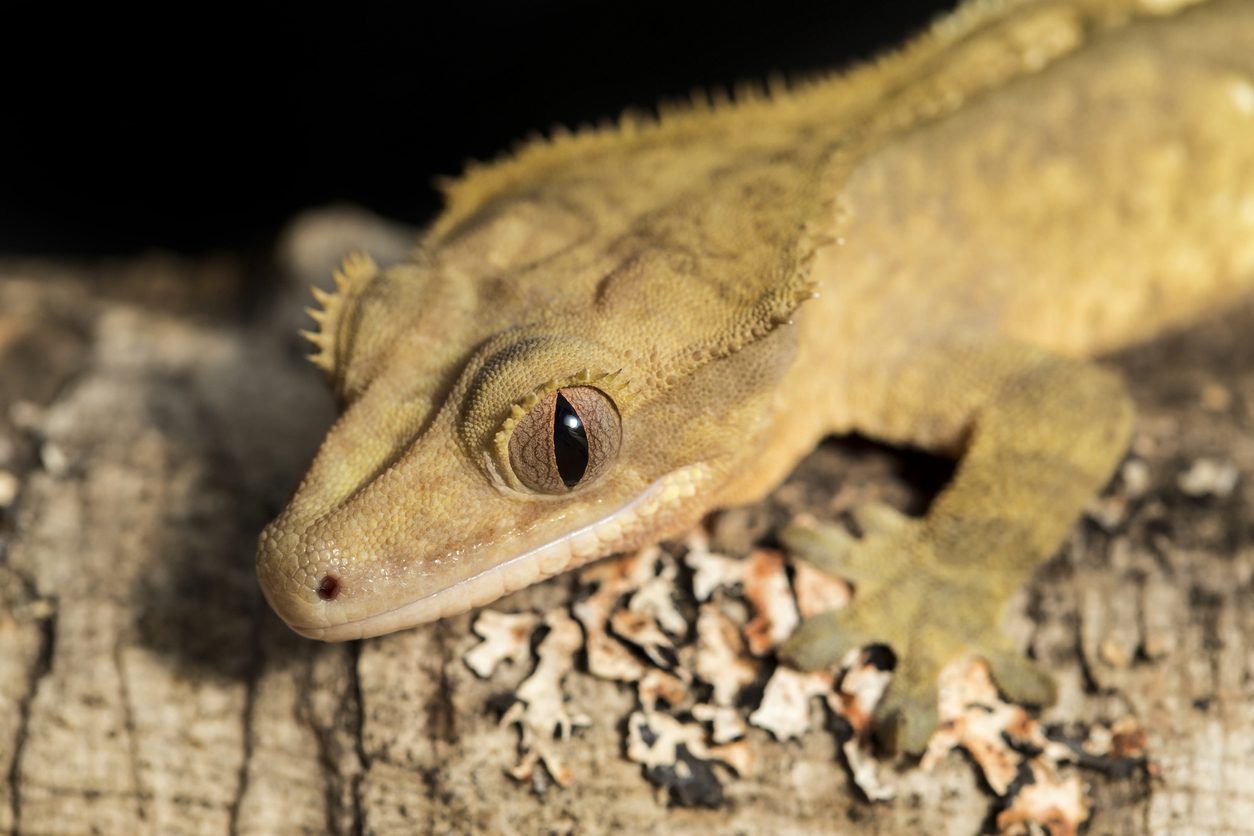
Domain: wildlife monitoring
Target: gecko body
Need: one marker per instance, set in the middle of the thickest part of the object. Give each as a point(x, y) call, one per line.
point(613, 333)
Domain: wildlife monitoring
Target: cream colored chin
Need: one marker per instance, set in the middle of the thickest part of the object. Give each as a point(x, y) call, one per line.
point(574, 549)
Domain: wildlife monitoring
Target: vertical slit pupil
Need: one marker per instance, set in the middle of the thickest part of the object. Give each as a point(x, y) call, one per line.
point(570, 443)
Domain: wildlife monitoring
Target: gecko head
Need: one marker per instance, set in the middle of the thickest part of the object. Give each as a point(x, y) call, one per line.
point(497, 433)
point(512, 481)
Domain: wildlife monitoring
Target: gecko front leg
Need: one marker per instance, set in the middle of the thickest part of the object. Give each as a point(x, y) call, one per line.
point(1040, 435)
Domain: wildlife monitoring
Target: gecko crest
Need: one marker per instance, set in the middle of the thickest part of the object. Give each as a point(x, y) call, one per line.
point(356, 271)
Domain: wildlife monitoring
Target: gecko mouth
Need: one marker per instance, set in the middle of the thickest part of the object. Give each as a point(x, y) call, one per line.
point(570, 551)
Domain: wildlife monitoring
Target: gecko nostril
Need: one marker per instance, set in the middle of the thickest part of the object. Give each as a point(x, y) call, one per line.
point(329, 588)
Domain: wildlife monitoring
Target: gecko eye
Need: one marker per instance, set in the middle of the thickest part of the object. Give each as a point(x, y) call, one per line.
point(568, 439)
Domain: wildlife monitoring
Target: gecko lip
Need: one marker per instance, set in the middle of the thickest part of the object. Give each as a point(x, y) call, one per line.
point(594, 540)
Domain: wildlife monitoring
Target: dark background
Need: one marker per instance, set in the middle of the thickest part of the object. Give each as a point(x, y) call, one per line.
point(209, 128)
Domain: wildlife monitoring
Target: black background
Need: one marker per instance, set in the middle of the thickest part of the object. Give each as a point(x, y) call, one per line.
point(197, 128)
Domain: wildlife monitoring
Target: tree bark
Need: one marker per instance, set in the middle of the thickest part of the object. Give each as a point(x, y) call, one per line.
point(155, 414)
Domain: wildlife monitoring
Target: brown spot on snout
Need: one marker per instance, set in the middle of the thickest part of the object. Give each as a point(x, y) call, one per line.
point(329, 588)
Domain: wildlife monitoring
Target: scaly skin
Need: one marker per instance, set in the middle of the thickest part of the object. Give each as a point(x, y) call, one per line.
point(1027, 185)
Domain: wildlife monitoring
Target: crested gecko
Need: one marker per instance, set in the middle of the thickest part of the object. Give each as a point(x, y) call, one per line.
point(614, 332)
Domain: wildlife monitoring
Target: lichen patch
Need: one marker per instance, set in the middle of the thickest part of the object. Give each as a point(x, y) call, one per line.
point(693, 629)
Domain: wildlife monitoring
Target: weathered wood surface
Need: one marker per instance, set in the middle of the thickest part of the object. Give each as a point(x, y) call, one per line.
point(156, 413)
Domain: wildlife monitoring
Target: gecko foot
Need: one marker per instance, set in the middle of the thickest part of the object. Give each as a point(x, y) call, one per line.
point(930, 609)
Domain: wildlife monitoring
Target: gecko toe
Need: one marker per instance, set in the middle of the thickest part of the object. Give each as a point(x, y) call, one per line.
point(907, 716)
point(822, 641)
point(878, 518)
point(1020, 679)
point(827, 547)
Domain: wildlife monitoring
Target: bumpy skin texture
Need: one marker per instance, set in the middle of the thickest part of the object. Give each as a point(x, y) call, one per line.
point(1027, 185)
